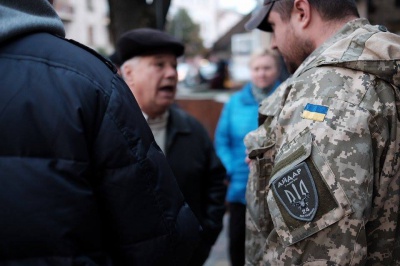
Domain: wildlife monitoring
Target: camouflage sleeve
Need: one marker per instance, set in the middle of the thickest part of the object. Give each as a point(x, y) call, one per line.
point(332, 191)
point(257, 214)
point(261, 147)
point(382, 228)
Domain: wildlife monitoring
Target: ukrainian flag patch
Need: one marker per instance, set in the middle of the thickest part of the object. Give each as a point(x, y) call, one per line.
point(315, 112)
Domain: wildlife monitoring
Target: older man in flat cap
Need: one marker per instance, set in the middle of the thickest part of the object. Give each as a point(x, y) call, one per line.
point(149, 61)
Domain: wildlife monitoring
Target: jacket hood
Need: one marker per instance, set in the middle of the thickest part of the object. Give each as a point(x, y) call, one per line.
point(21, 17)
point(362, 47)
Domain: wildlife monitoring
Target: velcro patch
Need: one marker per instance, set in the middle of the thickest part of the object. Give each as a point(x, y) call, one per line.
point(315, 112)
point(297, 192)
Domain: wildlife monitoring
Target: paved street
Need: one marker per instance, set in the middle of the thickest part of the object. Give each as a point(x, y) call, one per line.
point(219, 253)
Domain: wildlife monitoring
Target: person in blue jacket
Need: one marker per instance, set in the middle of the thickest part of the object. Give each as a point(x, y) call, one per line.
point(239, 117)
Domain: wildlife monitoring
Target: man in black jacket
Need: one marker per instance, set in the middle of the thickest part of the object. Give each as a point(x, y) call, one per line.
point(82, 181)
point(149, 61)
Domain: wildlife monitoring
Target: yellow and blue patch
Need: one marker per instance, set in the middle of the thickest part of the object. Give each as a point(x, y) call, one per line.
point(315, 112)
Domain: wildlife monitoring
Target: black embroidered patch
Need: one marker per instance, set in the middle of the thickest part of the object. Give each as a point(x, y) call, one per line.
point(297, 192)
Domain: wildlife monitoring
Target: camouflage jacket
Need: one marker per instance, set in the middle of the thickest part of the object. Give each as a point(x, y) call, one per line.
point(324, 180)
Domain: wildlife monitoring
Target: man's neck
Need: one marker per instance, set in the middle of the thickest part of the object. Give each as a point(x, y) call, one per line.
point(155, 116)
point(329, 28)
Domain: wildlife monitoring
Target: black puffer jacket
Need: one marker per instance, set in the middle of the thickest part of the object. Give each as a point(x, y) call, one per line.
point(81, 180)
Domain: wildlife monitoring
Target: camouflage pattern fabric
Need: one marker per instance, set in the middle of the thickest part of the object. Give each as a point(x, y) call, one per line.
point(324, 181)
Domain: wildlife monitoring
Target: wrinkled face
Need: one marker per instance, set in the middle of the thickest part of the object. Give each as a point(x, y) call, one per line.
point(264, 71)
point(153, 80)
point(293, 46)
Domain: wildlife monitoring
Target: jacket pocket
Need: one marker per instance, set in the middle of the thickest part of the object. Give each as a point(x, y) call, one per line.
point(257, 186)
point(304, 196)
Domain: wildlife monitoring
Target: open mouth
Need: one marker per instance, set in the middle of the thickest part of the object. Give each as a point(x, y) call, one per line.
point(167, 88)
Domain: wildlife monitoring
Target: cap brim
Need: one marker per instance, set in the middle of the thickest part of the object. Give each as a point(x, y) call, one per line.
point(259, 19)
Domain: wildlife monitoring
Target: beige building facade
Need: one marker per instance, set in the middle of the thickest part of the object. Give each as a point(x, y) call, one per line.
point(86, 21)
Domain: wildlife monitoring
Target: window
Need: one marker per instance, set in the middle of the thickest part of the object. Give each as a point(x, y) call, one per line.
point(89, 5)
point(241, 43)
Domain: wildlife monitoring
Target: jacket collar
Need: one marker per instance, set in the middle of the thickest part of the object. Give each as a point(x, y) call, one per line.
point(247, 96)
point(316, 58)
point(177, 124)
point(349, 48)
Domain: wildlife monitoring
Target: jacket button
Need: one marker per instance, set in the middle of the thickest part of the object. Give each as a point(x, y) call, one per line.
point(382, 28)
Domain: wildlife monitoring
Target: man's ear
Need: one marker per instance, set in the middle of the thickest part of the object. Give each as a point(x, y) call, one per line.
point(128, 74)
point(301, 13)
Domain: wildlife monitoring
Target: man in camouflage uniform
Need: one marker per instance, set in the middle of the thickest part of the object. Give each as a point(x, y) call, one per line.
point(325, 168)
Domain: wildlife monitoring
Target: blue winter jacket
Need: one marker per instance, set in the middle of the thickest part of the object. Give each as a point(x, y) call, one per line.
point(239, 116)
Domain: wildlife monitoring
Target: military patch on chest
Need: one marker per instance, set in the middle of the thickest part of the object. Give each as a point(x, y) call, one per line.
point(297, 192)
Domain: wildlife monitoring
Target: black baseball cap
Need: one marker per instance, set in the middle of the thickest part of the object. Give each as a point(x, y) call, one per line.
point(147, 41)
point(259, 19)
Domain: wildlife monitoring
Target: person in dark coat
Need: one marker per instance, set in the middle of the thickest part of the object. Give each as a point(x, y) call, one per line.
point(82, 181)
point(149, 67)
point(221, 76)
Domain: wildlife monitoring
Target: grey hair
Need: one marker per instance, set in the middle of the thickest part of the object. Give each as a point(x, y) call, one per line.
point(132, 62)
point(263, 52)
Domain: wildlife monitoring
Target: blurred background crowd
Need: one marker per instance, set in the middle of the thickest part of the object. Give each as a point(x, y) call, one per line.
point(215, 39)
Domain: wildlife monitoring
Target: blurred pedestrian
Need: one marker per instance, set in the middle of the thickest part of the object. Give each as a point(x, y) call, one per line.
point(239, 117)
point(221, 78)
point(150, 69)
point(82, 182)
point(324, 183)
